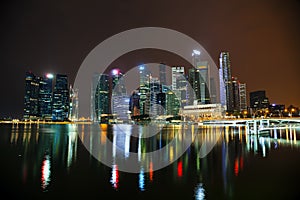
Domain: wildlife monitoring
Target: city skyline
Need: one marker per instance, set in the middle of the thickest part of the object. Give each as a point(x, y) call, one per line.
point(111, 101)
point(263, 46)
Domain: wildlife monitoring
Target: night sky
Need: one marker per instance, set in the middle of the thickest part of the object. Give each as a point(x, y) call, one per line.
point(263, 38)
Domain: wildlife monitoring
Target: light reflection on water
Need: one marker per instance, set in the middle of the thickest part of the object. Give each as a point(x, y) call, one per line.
point(44, 146)
point(46, 172)
point(52, 141)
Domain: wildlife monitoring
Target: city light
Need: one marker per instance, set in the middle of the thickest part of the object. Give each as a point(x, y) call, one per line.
point(196, 52)
point(46, 172)
point(49, 75)
point(141, 67)
point(115, 71)
point(200, 192)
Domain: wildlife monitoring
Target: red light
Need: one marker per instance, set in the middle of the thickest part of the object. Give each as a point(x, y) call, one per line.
point(115, 177)
point(236, 167)
point(179, 169)
point(151, 171)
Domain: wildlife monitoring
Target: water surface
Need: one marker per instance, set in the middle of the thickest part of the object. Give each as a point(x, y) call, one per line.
point(50, 161)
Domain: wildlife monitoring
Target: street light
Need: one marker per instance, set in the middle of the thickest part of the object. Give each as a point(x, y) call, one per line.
point(290, 112)
point(245, 113)
point(266, 112)
point(293, 110)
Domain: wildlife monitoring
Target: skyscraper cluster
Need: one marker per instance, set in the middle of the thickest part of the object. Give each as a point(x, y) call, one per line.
point(49, 98)
point(232, 92)
point(109, 97)
point(111, 101)
point(154, 97)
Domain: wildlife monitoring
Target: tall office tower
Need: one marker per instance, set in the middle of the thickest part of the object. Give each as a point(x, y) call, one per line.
point(200, 89)
point(258, 100)
point(155, 88)
point(45, 97)
point(177, 73)
point(61, 102)
point(161, 103)
point(120, 99)
point(162, 74)
point(199, 79)
point(172, 103)
point(134, 103)
point(100, 97)
point(31, 96)
point(179, 84)
point(195, 57)
point(243, 96)
point(144, 90)
point(225, 82)
point(222, 89)
point(118, 85)
point(204, 81)
point(74, 103)
point(236, 94)
point(213, 90)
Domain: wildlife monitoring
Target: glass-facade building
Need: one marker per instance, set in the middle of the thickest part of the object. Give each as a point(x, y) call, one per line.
point(243, 96)
point(144, 90)
point(162, 74)
point(45, 97)
point(179, 84)
point(226, 90)
point(42, 102)
point(120, 99)
point(31, 97)
point(61, 101)
point(100, 96)
point(236, 94)
point(172, 104)
point(74, 103)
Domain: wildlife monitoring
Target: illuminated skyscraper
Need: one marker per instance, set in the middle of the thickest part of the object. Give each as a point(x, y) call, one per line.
point(73, 113)
point(204, 81)
point(31, 97)
point(161, 103)
point(155, 88)
point(243, 96)
point(236, 94)
point(100, 96)
point(45, 97)
point(179, 84)
point(172, 103)
point(162, 74)
point(199, 79)
point(144, 90)
point(239, 95)
point(120, 99)
point(199, 86)
point(134, 103)
point(61, 101)
point(118, 85)
point(226, 90)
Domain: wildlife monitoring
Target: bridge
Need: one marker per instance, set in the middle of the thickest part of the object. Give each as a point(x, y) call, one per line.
point(256, 125)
